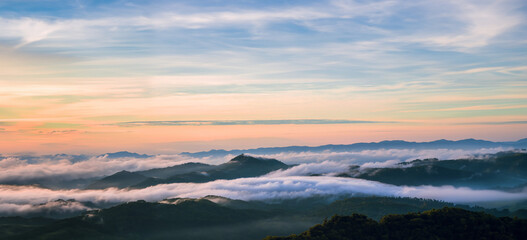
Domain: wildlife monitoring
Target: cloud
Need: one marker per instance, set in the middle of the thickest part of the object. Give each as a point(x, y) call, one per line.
point(476, 22)
point(244, 122)
point(35, 169)
point(20, 170)
point(469, 24)
point(49, 209)
point(495, 123)
point(262, 188)
point(28, 29)
point(326, 167)
point(379, 155)
point(31, 30)
point(387, 164)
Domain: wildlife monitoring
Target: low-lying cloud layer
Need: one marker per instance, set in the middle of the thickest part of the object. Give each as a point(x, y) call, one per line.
point(13, 169)
point(262, 188)
point(50, 209)
point(18, 170)
point(380, 155)
point(295, 182)
point(323, 168)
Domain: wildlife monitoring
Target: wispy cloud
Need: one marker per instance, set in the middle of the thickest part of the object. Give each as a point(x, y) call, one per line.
point(388, 61)
point(245, 122)
point(31, 30)
point(481, 21)
point(473, 23)
point(495, 123)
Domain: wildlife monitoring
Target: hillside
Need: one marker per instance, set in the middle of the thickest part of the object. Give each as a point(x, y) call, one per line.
point(121, 179)
point(239, 167)
point(502, 170)
point(446, 223)
point(214, 217)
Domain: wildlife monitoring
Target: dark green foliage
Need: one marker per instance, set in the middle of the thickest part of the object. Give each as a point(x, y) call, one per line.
point(232, 219)
point(144, 216)
point(377, 207)
point(446, 223)
point(417, 175)
point(10, 226)
point(72, 228)
point(138, 219)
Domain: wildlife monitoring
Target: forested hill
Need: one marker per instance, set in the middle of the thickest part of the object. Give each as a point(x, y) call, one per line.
point(446, 223)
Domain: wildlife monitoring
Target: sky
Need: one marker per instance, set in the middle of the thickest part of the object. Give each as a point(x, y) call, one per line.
point(91, 76)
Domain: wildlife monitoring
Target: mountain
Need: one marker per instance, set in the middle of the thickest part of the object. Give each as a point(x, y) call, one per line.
point(175, 170)
point(501, 170)
point(245, 166)
point(51, 182)
point(376, 207)
point(215, 217)
point(122, 179)
point(144, 220)
point(238, 167)
point(393, 144)
point(125, 154)
point(446, 223)
point(10, 226)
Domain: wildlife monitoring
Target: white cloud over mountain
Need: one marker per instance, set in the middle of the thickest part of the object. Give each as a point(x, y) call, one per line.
point(18, 198)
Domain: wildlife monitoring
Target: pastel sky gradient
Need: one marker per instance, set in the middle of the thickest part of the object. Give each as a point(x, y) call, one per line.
point(170, 76)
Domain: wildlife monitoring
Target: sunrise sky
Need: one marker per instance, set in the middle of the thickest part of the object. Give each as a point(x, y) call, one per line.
point(91, 76)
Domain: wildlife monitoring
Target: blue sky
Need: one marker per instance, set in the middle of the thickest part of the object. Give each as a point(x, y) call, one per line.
point(80, 65)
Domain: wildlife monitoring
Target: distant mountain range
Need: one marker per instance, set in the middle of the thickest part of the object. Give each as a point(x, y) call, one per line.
point(394, 144)
point(470, 143)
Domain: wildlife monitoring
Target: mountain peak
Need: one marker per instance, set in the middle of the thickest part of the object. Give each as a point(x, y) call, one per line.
point(123, 154)
point(123, 172)
point(242, 158)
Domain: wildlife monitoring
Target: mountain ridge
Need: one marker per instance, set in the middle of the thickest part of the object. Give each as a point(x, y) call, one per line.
point(238, 167)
